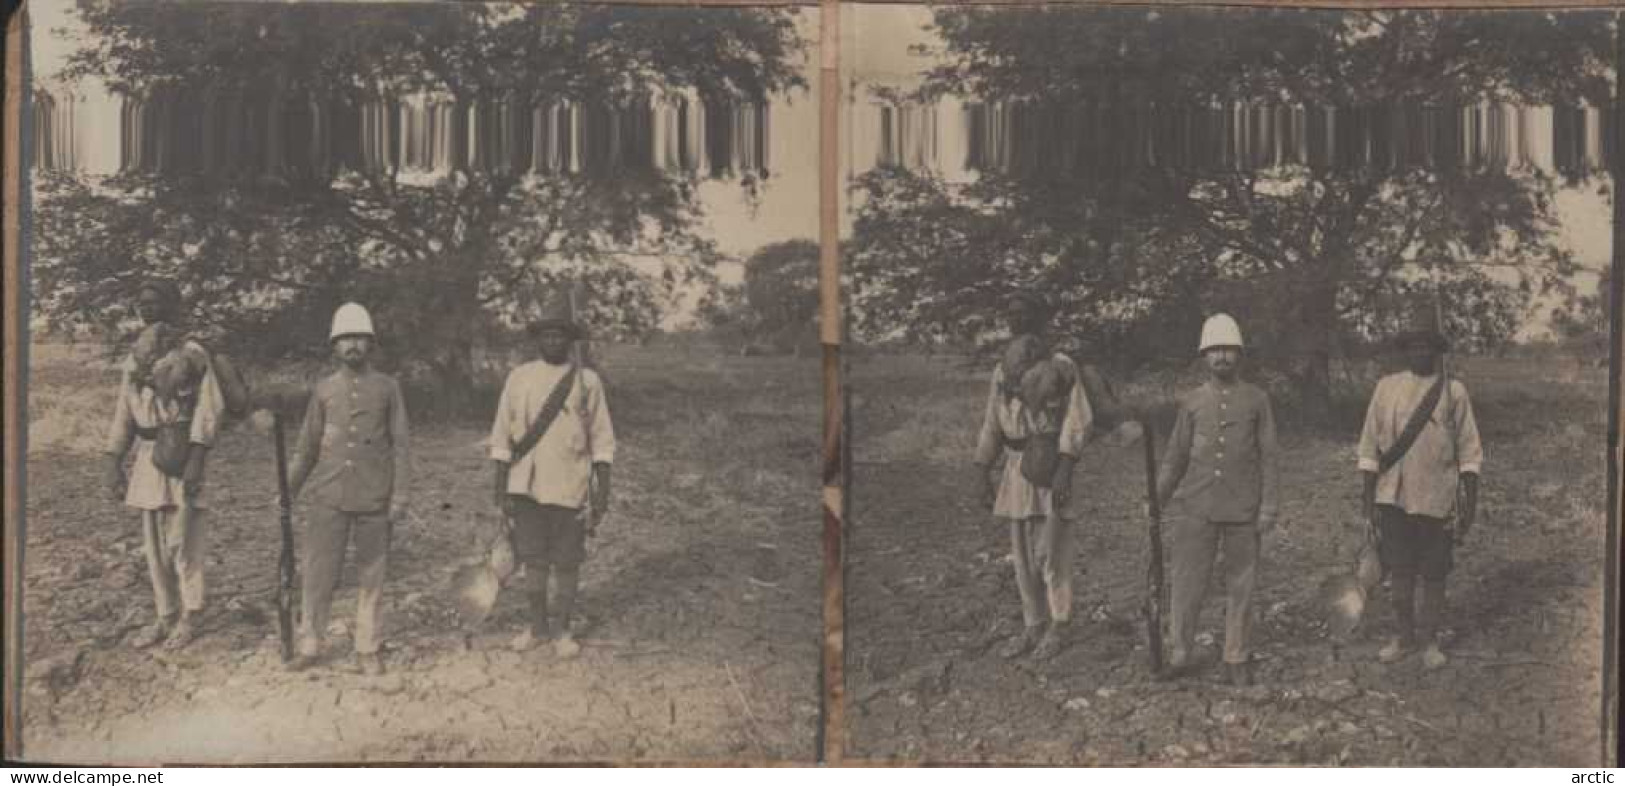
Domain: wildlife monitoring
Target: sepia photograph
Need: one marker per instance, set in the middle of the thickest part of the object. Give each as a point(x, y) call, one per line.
point(419, 382)
point(1229, 386)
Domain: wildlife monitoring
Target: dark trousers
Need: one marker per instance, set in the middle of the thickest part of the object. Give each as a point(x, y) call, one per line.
point(549, 539)
point(1415, 548)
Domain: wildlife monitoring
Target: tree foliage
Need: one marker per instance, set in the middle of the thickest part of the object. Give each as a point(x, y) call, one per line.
point(1313, 259)
point(265, 259)
point(776, 306)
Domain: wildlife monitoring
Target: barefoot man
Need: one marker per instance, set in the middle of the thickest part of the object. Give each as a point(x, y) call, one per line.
point(552, 444)
point(165, 483)
point(1420, 457)
point(1035, 396)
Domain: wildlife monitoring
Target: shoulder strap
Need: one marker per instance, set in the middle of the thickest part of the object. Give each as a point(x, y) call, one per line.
point(1413, 428)
point(544, 419)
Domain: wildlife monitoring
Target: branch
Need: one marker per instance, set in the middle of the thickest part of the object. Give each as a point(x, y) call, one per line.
point(384, 232)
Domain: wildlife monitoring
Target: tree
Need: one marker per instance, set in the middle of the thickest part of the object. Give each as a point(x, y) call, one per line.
point(1582, 321)
point(1317, 254)
point(781, 291)
point(775, 307)
point(268, 251)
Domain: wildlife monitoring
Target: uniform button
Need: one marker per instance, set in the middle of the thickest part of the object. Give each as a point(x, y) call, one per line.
point(352, 444)
point(1221, 454)
point(1216, 472)
point(1221, 439)
point(349, 463)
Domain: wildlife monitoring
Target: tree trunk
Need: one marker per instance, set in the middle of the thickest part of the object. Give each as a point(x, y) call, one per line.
point(1317, 324)
point(453, 318)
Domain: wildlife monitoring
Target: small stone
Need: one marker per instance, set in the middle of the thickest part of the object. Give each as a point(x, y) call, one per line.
point(908, 699)
point(1347, 727)
point(1299, 735)
point(1078, 704)
point(122, 577)
point(1205, 639)
point(1176, 752)
point(1339, 672)
point(1200, 749)
point(338, 628)
point(1106, 693)
point(1337, 691)
point(56, 674)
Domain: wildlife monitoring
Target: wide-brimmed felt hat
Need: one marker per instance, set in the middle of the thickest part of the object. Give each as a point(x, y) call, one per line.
point(1421, 323)
point(557, 311)
point(166, 288)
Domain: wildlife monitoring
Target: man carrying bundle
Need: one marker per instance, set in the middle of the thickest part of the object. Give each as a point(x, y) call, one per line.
point(552, 444)
point(169, 408)
point(353, 453)
point(1420, 458)
point(1219, 471)
point(1040, 417)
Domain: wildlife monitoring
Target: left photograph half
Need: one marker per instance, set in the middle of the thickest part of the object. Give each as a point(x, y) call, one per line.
point(419, 382)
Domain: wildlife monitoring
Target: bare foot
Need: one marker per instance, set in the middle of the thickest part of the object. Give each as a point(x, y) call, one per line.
point(150, 635)
point(182, 635)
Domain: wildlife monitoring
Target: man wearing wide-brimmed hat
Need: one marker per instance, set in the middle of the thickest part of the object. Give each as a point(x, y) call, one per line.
point(353, 456)
point(169, 408)
point(1420, 457)
point(552, 444)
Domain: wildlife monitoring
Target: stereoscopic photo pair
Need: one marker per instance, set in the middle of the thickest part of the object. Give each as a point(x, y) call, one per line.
point(482, 383)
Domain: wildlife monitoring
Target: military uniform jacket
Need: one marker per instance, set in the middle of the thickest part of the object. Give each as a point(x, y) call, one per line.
point(1220, 464)
point(354, 444)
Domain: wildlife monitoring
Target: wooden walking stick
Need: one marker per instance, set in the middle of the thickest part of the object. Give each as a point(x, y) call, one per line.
point(286, 588)
point(1154, 578)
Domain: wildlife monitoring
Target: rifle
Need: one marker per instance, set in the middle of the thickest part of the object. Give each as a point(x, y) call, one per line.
point(1154, 579)
point(285, 588)
point(576, 366)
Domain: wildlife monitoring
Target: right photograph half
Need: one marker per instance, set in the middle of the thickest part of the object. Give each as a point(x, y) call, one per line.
point(1229, 386)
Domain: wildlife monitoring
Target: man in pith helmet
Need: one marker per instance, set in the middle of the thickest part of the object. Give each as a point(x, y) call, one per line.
point(1218, 482)
point(353, 457)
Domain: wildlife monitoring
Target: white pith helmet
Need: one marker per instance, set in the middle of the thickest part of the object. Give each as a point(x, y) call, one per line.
point(351, 320)
point(1220, 330)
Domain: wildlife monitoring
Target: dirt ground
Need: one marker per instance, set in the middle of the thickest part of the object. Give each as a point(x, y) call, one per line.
point(700, 595)
point(931, 595)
